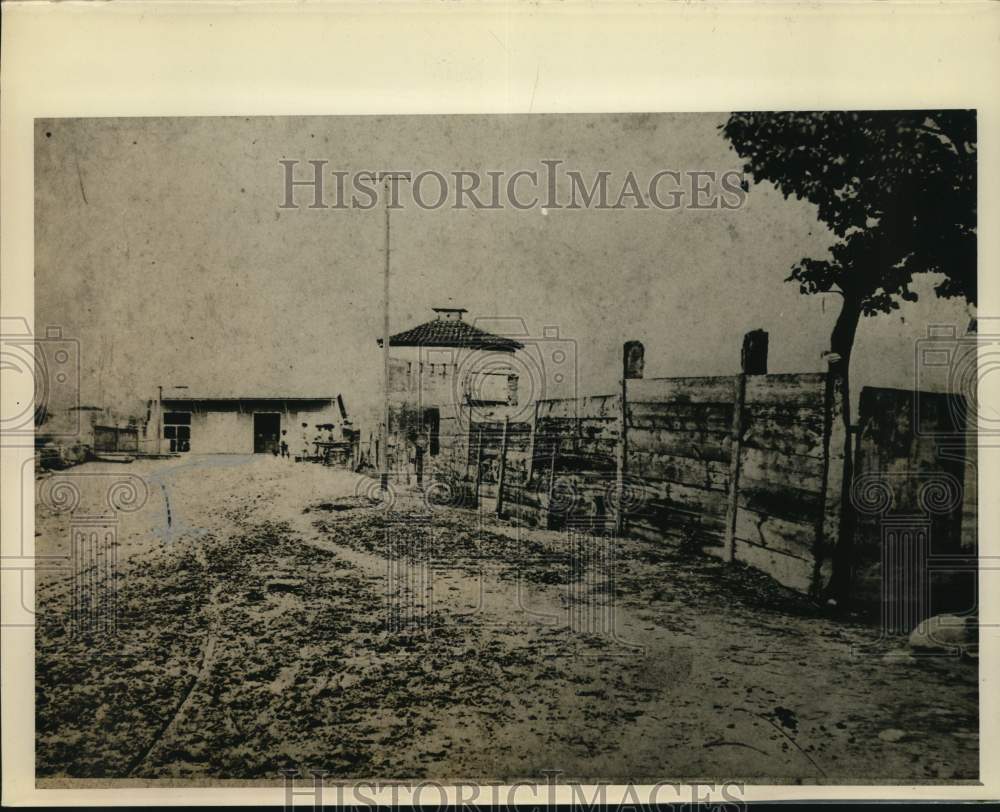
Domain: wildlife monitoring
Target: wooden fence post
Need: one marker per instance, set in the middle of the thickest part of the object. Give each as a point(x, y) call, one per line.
point(753, 361)
point(479, 461)
point(735, 447)
point(503, 465)
point(552, 481)
point(531, 447)
point(622, 449)
point(633, 364)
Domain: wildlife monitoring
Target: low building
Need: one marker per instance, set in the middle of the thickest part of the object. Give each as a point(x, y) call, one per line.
point(449, 363)
point(83, 432)
point(443, 374)
point(249, 424)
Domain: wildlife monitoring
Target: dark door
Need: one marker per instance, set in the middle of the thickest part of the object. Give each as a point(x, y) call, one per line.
point(266, 428)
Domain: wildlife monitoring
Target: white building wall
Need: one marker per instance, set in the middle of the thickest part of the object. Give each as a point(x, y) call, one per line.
point(443, 377)
point(222, 433)
point(229, 429)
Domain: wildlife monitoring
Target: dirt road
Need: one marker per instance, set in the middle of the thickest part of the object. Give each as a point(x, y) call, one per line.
point(271, 616)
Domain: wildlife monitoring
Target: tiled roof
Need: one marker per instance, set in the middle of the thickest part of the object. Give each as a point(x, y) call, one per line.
point(452, 333)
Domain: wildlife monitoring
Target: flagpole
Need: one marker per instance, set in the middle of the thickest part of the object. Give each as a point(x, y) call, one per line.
point(387, 178)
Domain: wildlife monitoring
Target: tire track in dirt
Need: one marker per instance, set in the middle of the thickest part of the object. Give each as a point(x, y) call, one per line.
point(206, 660)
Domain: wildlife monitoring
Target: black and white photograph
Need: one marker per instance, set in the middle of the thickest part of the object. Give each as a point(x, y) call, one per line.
point(563, 448)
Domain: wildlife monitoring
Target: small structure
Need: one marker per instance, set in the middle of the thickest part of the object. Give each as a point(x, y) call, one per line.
point(439, 372)
point(447, 361)
point(248, 424)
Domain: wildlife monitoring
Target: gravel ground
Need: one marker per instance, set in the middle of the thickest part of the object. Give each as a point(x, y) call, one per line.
point(273, 616)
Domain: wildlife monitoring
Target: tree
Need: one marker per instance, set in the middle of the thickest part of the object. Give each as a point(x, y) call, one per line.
point(897, 188)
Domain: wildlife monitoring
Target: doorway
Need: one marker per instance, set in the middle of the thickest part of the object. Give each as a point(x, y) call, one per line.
point(266, 428)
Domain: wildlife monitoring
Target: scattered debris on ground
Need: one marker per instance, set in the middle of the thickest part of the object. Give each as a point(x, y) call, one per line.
point(296, 625)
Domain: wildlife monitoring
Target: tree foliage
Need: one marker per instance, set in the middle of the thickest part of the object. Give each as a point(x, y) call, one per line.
point(898, 188)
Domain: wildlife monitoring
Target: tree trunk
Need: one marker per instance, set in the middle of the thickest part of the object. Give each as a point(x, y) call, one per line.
point(842, 343)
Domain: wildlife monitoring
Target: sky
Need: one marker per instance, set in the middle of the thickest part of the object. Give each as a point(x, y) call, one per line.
point(160, 246)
